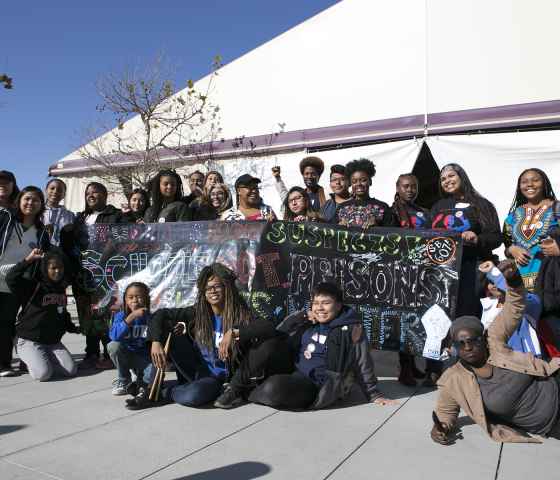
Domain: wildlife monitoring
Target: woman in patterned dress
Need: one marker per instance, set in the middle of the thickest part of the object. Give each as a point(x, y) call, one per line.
point(532, 216)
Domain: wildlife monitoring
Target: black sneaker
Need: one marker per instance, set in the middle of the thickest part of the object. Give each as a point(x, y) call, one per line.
point(231, 398)
point(142, 400)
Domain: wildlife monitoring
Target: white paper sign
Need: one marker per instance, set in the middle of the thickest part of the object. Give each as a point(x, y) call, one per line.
point(436, 323)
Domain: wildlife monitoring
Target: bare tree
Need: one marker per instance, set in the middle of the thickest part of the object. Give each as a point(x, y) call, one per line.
point(149, 124)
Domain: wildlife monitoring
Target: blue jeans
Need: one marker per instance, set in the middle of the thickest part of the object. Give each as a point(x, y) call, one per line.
point(196, 385)
point(126, 360)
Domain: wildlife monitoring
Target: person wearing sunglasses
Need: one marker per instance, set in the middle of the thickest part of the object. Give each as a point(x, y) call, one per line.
point(512, 396)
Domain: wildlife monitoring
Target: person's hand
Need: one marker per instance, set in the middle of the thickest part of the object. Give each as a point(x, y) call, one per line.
point(35, 254)
point(270, 217)
point(440, 434)
point(179, 329)
point(486, 267)
point(140, 220)
point(382, 401)
point(225, 345)
point(158, 355)
point(511, 273)
point(470, 237)
point(300, 218)
point(139, 312)
point(550, 248)
point(311, 316)
point(276, 172)
point(520, 255)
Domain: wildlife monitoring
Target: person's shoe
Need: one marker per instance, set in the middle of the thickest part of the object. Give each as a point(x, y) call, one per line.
point(104, 364)
point(132, 389)
point(22, 367)
point(142, 400)
point(88, 363)
point(230, 398)
point(120, 387)
point(406, 376)
point(7, 372)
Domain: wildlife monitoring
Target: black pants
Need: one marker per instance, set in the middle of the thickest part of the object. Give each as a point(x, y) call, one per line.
point(294, 391)
point(92, 345)
point(9, 307)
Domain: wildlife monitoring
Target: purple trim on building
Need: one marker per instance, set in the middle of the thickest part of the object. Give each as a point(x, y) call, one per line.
point(512, 116)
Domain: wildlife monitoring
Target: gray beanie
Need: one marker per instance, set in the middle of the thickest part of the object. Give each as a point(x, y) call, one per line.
point(466, 322)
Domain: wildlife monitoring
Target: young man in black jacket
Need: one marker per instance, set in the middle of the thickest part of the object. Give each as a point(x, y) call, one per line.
point(330, 352)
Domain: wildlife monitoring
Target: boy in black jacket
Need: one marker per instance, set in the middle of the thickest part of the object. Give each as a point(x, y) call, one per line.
point(330, 351)
point(43, 319)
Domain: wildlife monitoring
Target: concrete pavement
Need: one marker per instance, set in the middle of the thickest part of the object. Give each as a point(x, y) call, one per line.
point(75, 429)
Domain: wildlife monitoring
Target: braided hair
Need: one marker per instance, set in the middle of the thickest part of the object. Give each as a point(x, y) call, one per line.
point(235, 311)
point(520, 199)
point(399, 206)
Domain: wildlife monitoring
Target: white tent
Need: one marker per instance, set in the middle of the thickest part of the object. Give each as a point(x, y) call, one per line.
point(366, 72)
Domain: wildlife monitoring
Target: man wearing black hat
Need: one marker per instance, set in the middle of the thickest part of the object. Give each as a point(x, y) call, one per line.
point(249, 202)
point(311, 169)
point(8, 188)
point(511, 395)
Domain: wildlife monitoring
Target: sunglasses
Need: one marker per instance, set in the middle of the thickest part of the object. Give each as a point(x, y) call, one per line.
point(473, 342)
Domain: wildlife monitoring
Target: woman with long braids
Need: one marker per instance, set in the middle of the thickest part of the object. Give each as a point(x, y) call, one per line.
point(465, 211)
point(215, 340)
point(167, 205)
point(531, 237)
point(533, 215)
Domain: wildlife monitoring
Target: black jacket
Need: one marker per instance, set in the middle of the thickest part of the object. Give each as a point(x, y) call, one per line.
point(174, 212)
point(547, 284)
point(43, 318)
point(109, 214)
point(348, 356)
point(163, 321)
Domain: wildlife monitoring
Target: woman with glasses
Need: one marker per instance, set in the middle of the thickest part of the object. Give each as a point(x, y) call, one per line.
point(511, 395)
point(297, 206)
point(214, 341)
point(249, 202)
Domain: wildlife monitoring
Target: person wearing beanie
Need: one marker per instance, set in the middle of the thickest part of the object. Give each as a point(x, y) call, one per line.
point(311, 169)
point(512, 396)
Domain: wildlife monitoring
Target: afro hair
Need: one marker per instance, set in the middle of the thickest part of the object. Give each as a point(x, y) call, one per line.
point(314, 162)
point(360, 165)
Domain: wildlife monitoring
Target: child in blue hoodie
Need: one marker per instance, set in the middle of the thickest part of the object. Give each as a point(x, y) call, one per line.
point(129, 348)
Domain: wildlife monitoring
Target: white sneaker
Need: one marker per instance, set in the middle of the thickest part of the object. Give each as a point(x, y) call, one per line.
point(120, 387)
point(7, 372)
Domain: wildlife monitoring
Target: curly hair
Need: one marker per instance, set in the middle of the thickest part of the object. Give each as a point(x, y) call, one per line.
point(38, 221)
point(158, 201)
point(235, 311)
point(360, 165)
point(520, 199)
point(314, 162)
point(145, 290)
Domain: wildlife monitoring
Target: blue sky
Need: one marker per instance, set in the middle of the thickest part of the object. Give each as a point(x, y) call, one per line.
point(54, 51)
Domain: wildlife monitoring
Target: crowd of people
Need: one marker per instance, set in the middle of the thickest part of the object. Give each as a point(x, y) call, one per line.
point(503, 339)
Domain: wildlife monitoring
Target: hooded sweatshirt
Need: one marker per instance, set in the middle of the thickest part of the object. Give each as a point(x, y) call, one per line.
point(43, 318)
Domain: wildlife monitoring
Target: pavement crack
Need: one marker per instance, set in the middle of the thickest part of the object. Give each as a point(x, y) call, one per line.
point(499, 461)
point(365, 440)
point(34, 470)
point(204, 447)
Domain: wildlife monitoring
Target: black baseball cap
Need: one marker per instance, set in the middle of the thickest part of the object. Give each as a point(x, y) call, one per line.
point(246, 180)
point(8, 176)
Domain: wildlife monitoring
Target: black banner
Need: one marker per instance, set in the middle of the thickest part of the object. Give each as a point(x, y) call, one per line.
point(402, 282)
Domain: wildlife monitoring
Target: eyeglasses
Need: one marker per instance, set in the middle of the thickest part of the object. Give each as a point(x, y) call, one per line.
point(214, 288)
point(250, 187)
point(295, 199)
point(473, 342)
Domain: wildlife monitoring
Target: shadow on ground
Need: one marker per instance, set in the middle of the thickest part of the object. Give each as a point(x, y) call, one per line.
point(235, 471)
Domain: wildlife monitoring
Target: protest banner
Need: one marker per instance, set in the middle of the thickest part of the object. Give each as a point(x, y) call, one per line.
point(402, 282)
